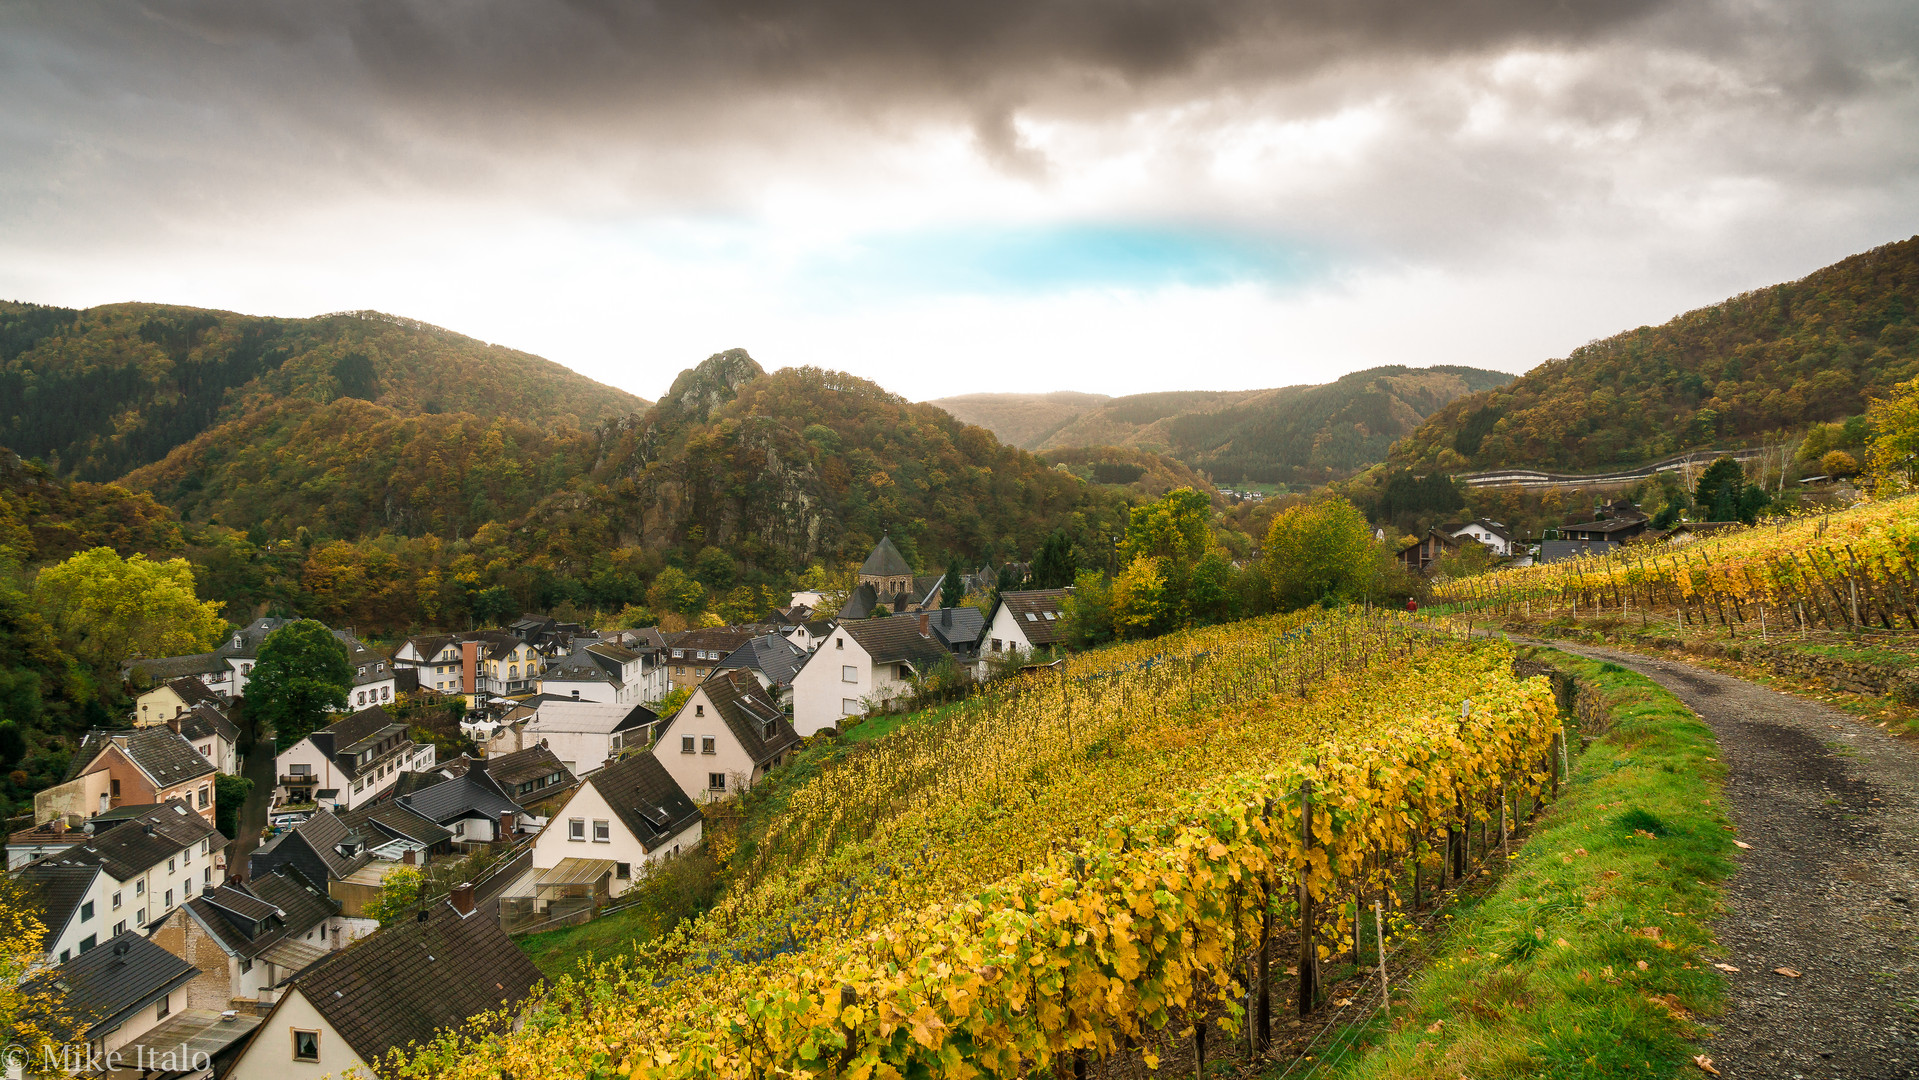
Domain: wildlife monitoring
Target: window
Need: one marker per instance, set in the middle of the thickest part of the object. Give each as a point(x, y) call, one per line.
point(576, 829)
point(114, 788)
point(171, 865)
point(306, 1045)
point(299, 770)
point(186, 857)
point(849, 673)
point(770, 727)
point(86, 911)
point(699, 710)
point(206, 876)
point(161, 1010)
point(140, 888)
point(1030, 617)
point(686, 744)
point(706, 745)
point(839, 643)
point(602, 832)
point(206, 845)
point(995, 644)
point(116, 901)
point(140, 917)
point(849, 706)
point(623, 870)
point(716, 781)
point(169, 903)
point(119, 928)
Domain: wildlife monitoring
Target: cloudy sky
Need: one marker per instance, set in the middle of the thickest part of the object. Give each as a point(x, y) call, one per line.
point(1109, 195)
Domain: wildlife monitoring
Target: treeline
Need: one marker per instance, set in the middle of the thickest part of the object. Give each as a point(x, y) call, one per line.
point(101, 392)
point(1775, 360)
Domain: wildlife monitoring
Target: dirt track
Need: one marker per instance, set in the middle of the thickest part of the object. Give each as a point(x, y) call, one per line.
point(1830, 806)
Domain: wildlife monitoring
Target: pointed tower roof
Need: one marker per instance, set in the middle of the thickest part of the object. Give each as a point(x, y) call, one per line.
point(886, 561)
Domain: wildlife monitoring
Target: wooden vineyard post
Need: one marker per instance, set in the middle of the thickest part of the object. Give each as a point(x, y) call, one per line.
point(1502, 814)
point(1898, 591)
point(1559, 759)
point(1357, 908)
point(1308, 951)
point(1265, 1029)
point(1379, 946)
point(1456, 840)
point(1199, 1049)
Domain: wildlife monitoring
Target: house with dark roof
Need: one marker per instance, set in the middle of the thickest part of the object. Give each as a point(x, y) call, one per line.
point(350, 761)
point(225, 670)
point(144, 765)
point(172, 698)
point(393, 989)
point(26, 845)
point(1421, 556)
point(127, 877)
point(627, 815)
point(1606, 531)
point(530, 775)
point(1025, 621)
point(385, 829)
point(584, 735)
point(248, 938)
point(693, 654)
point(114, 994)
point(323, 848)
point(479, 664)
point(862, 666)
point(728, 735)
point(602, 671)
point(187, 706)
point(773, 660)
point(1493, 535)
point(470, 806)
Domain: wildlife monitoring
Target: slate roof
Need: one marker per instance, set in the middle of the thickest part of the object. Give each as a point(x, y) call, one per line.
point(1031, 608)
point(410, 781)
point(162, 753)
point(611, 652)
point(578, 667)
point(598, 717)
point(250, 919)
point(472, 794)
point(646, 799)
point(717, 639)
point(860, 602)
point(1607, 526)
point(885, 561)
point(958, 628)
point(745, 706)
point(205, 721)
point(411, 979)
point(896, 638)
point(168, 668)
point(645, 637)
point(523, 766)
point(106, 985)
point(393, 820)
point(61, 886)
point(322, 834)
point(133, 846)
point(770, 655)
point(194, 692)
point(343, 739)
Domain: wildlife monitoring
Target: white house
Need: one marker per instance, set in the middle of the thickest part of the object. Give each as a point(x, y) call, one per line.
point(773, 660)
point(248, 938)
point(603, 671)
point(630, 813)
point(862, 663)
point(476, 664)
point(126, 878)
point(582, 734)
point(1025, 621)
point(728, 735)
point(1496, 537)
point(348, 762)
point(120, 993)
point(399, 986)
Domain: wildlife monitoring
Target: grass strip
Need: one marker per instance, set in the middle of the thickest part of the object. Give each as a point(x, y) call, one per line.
point(1588, 958)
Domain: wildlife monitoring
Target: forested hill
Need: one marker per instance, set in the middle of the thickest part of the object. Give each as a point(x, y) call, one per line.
point(1294, 434)
point(1773, 360)
point(101, 392)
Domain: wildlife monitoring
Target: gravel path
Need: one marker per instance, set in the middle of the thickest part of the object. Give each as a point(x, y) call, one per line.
point(1828, 888)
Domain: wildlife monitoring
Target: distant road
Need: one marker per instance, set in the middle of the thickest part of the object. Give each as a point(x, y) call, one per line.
point(258, 768)
point(1533, 478)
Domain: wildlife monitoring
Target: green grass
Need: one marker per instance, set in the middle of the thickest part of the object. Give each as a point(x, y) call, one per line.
point(559, 952)
point(1542, 977)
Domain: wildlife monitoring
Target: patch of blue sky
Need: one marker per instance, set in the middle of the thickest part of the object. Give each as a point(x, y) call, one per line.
point(997, 260)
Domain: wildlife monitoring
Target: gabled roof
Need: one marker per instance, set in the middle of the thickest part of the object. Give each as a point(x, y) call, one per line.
point(957, 627)
point(471, 795)
point(205, 721)
point(248, 920)
point(594, 717)
point(60, 884)
point(389, 818)
point(1040, 613)
point(104, 986)
point(521, 766)
point(896, 638)
point(167, 668)
point(427, 646)
point(322, 834)
point(343, 739)
point(769, 654)
point(644, 796)
point(645, 637)
point(614, 653)
point(860, 602)
point(885, 561)
point(132, 847)
point(193, 692)
point(164, 755)
point(402, 984)
point(577, 667)
point(747, 709)
point(718, 639)
point(1487, 524)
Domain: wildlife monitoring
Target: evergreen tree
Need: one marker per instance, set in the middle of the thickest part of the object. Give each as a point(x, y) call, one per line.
point(1055, 565)
point(952, 591)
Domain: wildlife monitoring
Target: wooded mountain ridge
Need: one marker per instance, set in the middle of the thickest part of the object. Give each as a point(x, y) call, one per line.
point(1770, 362)
point(1295, 434)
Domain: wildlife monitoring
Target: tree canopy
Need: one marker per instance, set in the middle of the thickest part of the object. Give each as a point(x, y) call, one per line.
point(110, 609)
point(300, 679)
point(1321, 551)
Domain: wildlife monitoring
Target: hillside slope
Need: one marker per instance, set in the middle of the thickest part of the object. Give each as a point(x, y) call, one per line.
point(101, 392)
point(1294, 434)
point(1772, 360)
point(1023, 420)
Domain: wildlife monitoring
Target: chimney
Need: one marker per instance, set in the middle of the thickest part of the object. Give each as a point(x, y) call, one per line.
point(408, 859)
point(506, 824)
point(924, 620)
point(463, 898)
point(173, 722)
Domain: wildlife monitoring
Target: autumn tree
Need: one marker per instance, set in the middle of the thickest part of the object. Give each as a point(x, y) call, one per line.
point(112, 609)
point(1141, 606)
point(673, 590)
point(301, 677)
point(1893, 454)
point(1321, 551)
point(32, 1010)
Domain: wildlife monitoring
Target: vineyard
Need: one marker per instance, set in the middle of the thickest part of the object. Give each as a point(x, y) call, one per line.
point(1855, 569)
point(1071, 870)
